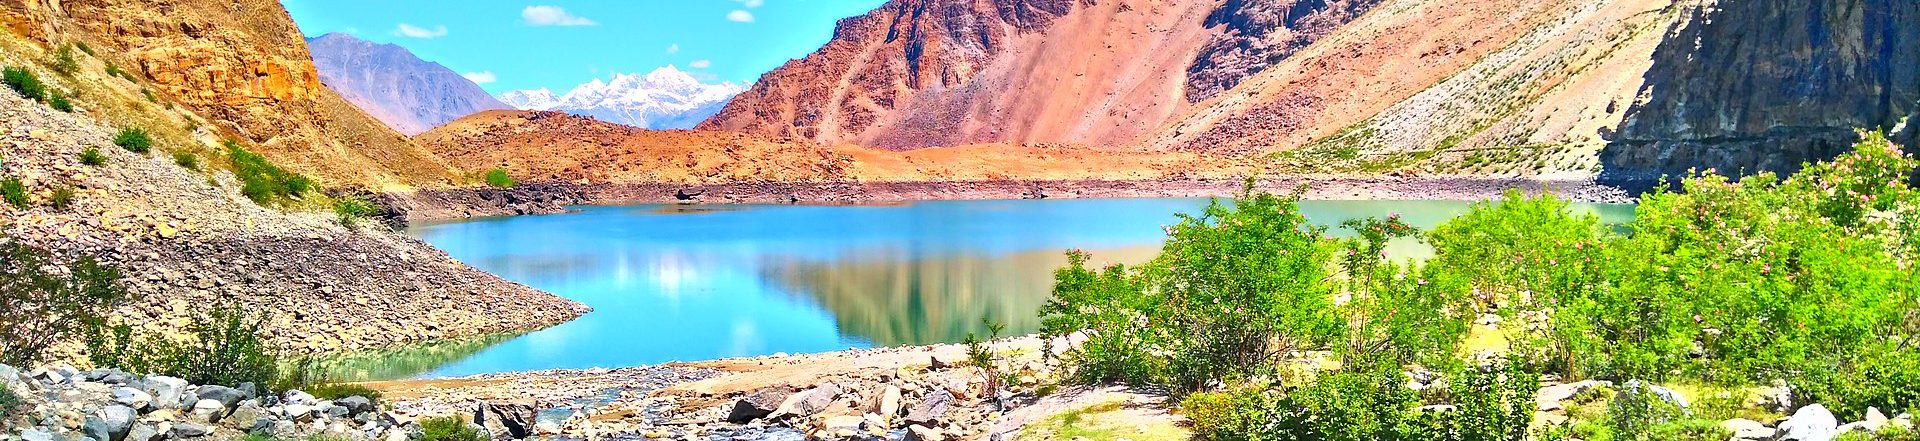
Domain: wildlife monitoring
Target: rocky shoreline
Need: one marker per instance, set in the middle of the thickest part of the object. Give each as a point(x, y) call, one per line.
point(436, 205)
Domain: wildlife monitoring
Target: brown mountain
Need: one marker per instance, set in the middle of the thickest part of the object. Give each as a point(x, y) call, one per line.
point(408, 94)
point(243, 65)
point(1558, 88)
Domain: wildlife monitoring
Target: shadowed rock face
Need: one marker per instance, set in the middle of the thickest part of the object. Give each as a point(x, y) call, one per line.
point(1764, 85)
point(1259, 33)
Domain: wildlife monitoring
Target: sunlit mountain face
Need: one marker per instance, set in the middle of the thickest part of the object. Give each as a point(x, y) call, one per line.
point(667, 98)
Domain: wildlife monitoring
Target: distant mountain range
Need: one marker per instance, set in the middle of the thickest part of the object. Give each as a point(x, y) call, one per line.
point(667, 98)
point(387, 81)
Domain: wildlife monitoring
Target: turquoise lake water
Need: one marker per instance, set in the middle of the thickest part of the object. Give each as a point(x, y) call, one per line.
point(684, 283)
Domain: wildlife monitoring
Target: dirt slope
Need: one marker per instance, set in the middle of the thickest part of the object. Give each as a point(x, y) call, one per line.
point(244, 66)
point(924, 73)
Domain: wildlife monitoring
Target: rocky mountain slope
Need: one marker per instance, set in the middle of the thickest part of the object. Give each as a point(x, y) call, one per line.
point(245, 68)
point(666, 98)
point(1766, 84)
point(408, 94)
point(1455, 87)
point(187, 240)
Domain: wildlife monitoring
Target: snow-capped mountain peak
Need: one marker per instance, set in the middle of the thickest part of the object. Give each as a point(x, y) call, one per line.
point(667, 98)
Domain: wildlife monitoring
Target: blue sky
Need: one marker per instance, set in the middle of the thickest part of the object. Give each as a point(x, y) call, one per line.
point(559, 44)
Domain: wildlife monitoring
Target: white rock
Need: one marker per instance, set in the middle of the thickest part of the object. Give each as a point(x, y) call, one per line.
point(1549, 398)
point(167, 391)
point(1745, 429)
point(1811, 423)
point(208, 410)
point(131, 397)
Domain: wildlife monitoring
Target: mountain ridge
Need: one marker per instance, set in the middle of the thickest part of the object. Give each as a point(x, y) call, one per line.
point(665, 98)
point(393, 85)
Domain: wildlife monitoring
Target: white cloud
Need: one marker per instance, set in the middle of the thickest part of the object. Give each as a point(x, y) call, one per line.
point(544, 15)
point(408, 30)
point(752, 3)
point(740, 15)
point(700, 64)
point(673, 48)
point(481, 77)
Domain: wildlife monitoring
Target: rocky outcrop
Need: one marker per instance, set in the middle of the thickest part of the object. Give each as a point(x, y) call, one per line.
point(245, 67)
point(1764, 85)
point(1259, 33)
point(408, 94)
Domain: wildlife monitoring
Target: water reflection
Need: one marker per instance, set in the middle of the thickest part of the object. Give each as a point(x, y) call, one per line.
point(889, 298)
point(671, 283)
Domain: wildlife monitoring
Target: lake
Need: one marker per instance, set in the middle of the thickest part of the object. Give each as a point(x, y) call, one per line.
point(685, 283)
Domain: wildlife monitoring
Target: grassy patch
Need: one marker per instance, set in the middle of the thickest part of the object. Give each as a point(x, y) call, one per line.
point(92, 156)
point(1102, 421)
point(187, 160)
point(25, 82)
point(262, 181)
point(14, 192)
point(62, 198)
point(134, 139)
point(499, 178)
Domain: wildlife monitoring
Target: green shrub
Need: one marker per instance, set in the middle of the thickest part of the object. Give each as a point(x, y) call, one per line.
point(1105, 307)
point(62, 198)
point(84, 48)
point(498, 177)
point(1396, 315)
point(1232, 415)
point(262, 181)
point(335, 391)
point(92, 156)
point(353, 209)
point(187, 160)
point(41, 306)
point(25, 82)
point(224, 347)
point(1887, 377)
point(58, 101)
point(151, 98)
point(134, 139)
point(9, 401)
point(14, 192)
point(64, 62)
point(114, 71)
point(448, 429)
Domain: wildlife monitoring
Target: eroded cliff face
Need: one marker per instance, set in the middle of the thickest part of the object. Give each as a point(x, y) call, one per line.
point(1259, 33)
point(244, 65)
point(1764, 85)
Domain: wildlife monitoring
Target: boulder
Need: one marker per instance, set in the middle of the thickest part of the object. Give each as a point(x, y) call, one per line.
point(167, 391)
point(118, 420)
point(1549, 398)
point(208, 411)
point(35, 435)
point(889, 403)
point(506, 421)
point(245, 416)
point(843, 426)
point(756, 405)
point(188, 430)
point(1747, 430)
point(931, 410)
point(227, 396)
point(96, 428)
point(356, 405)
point(923, 433)
point(807, 403)
point(299, 412)
point(1811, 423)
point(144, 432)
point(298, 397)
point(1668, 395)
point(134, 398)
